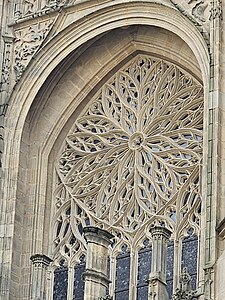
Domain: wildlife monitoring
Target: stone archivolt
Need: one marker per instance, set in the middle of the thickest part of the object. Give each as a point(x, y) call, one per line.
point(197, 8)
point(28, 39)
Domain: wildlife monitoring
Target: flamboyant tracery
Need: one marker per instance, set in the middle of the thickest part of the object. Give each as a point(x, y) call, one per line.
point(131, 160)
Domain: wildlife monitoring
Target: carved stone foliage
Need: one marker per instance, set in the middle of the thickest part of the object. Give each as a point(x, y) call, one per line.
point(39, 7)
point(27, 42)
point(216, 10)
point(6, 65)
point(199, 9)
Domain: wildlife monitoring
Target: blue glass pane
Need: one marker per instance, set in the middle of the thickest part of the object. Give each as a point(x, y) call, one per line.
point(122, 276)
point(144, 269)
point(170, 288)
point(122, 295)
point(142, 292)
point(169, 268)
point(60, 284)
point(78, 288)
point(190, 257)
point(144, 266)
point(108, 274)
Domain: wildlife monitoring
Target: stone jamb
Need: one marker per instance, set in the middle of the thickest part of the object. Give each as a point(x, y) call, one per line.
point(213, 158)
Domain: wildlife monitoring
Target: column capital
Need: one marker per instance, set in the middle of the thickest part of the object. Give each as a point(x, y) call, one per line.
point(159, 232)
point(40, 263)
point(97, 235)
point(40, 260)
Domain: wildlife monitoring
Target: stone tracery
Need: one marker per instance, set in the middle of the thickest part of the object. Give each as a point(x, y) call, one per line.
point(132, 157)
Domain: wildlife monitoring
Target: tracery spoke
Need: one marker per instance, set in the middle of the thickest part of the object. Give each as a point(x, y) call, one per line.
point(177, 159)
point(117, 109)
point(110, 189)
point(188, 138)
point(190, 116)
point(94, 161)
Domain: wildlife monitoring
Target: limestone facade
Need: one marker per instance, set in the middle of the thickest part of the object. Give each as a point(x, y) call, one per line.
point(112, 118)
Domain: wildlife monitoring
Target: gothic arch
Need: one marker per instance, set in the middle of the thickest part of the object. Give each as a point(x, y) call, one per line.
point(85, 29)
point(26, 91)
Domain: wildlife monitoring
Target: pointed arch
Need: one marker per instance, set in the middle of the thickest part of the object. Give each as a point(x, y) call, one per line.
point(48, 59)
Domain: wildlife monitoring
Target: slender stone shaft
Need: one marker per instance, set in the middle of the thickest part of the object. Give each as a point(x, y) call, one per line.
point(95, 275)
point(157, 278)
point(40, 264)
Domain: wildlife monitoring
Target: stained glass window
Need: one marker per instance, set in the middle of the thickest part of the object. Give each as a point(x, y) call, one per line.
point(132, 160)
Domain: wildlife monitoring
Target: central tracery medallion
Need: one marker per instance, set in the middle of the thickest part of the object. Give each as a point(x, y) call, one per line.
point(136, 141)
point(135, 149)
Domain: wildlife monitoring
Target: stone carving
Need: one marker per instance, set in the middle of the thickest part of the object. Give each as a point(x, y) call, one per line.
point(57, 3)
point(107, 297)
point(132, 158)
point(40, 264)
point(17, 13)
point(39, 7)
point(27, 42)
point(137, 131)
point(7, 61)
point(184, 292)
point(3, 109)
point(6, 66)
point(195, 8)
point(29, 6)
point(19, 69)
point(40, 260)
point(216, 11)
point(209, 274)
point(198, 11)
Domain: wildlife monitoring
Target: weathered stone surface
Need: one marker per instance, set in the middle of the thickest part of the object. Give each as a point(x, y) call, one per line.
point(55, 59)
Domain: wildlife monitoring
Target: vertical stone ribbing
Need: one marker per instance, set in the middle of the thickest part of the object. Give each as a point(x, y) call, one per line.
point(40, 264)
point(213, 205)
point(95, 275)
point(157, 278)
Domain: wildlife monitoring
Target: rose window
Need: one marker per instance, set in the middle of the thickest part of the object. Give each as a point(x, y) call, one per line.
point(132, 158)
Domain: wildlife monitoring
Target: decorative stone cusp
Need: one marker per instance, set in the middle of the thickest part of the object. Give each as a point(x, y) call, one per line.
point(136, 141)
